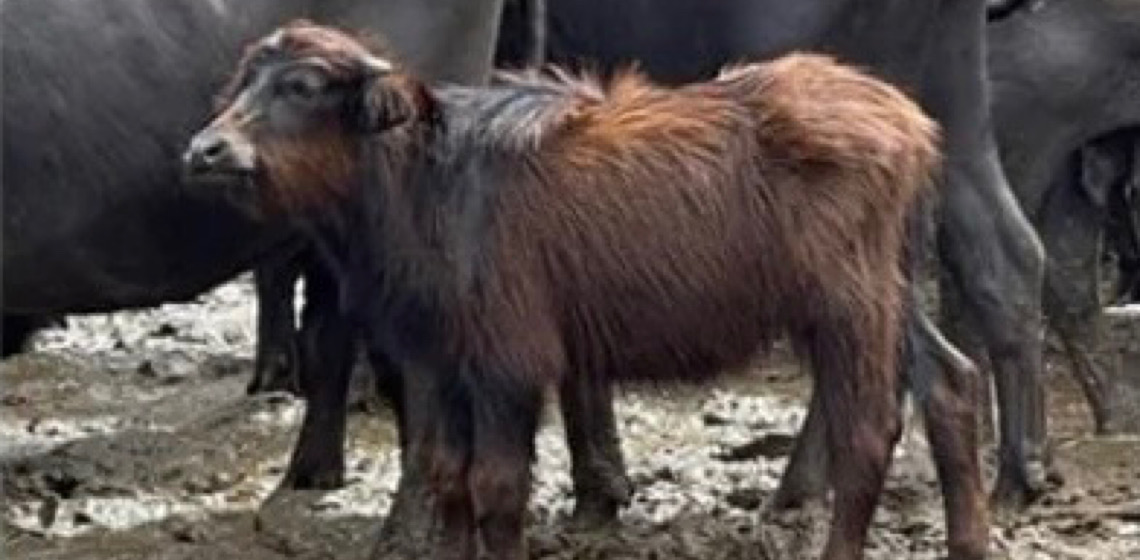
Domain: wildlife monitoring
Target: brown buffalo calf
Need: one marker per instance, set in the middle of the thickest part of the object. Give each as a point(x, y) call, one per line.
point(500, 240)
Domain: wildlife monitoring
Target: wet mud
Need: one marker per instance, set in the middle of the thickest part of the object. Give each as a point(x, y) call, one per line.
point(130, 437)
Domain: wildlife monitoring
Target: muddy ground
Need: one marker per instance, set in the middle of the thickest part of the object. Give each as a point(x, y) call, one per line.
point(129, 436)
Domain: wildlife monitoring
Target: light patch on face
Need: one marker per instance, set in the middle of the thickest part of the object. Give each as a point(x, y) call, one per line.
point(378, 65)
point(275, 40)
point(240, 113)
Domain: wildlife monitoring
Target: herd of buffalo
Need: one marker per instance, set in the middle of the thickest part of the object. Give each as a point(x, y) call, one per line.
point(644, 191)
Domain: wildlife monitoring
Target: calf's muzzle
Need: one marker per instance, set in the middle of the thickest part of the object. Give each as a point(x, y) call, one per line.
point(218, 155)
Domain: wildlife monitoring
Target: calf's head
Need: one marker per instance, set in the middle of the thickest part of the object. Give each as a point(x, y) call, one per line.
point(289, 131)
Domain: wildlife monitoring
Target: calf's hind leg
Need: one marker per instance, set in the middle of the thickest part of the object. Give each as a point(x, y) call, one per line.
point(857, 384)
point(805, 476)
point(945, 383)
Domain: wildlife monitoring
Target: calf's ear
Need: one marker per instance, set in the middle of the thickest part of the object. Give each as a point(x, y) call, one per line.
point(391, 100)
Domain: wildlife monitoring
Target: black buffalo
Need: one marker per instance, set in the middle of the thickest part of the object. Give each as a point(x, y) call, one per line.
point(1065, 75)
point(99, 98)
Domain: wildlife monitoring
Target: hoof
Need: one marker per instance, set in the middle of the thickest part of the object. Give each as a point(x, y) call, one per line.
point(1011, 496)
point(1108, 428)
point(597, 507)
point(386, 548)
point(314, 481)
point(1119, 424)
point(275, 373)
point(968, 551)
point(594, 514)
point(312, 476)
point(276, 385)
point(793, 497)
point(411, 531)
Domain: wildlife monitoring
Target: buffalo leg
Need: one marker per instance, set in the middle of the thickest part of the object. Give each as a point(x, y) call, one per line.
point(441, 442)
point(470, 443)
point(957, 324)
point(506, 416)
point(412, 527)
point(995, 260)
point(1127, 238)
point(1123, 215)
point(946, 389)
point(1080, 335)
point(857, 383)
point(944, 382)
point(276, 362)
point(601, 485)
point(327, 343)
point(18, 329)
point(1124, 233)
point(1128, 287)
point(990, 250)
point(1072, 229)
point(1130, 207)
point(805, 477)
point(389, 378)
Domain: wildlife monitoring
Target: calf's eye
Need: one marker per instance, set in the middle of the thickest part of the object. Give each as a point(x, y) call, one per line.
point(303, 85)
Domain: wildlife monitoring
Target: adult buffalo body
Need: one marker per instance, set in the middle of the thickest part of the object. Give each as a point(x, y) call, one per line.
point(934, 50)
point(99, 98)
point(1066, 76)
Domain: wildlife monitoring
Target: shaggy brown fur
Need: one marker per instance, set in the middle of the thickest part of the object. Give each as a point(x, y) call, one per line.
point(506, 238)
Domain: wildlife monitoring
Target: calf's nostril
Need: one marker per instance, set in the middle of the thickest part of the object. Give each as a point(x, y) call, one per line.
point(213, 151)
point(208, 154)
